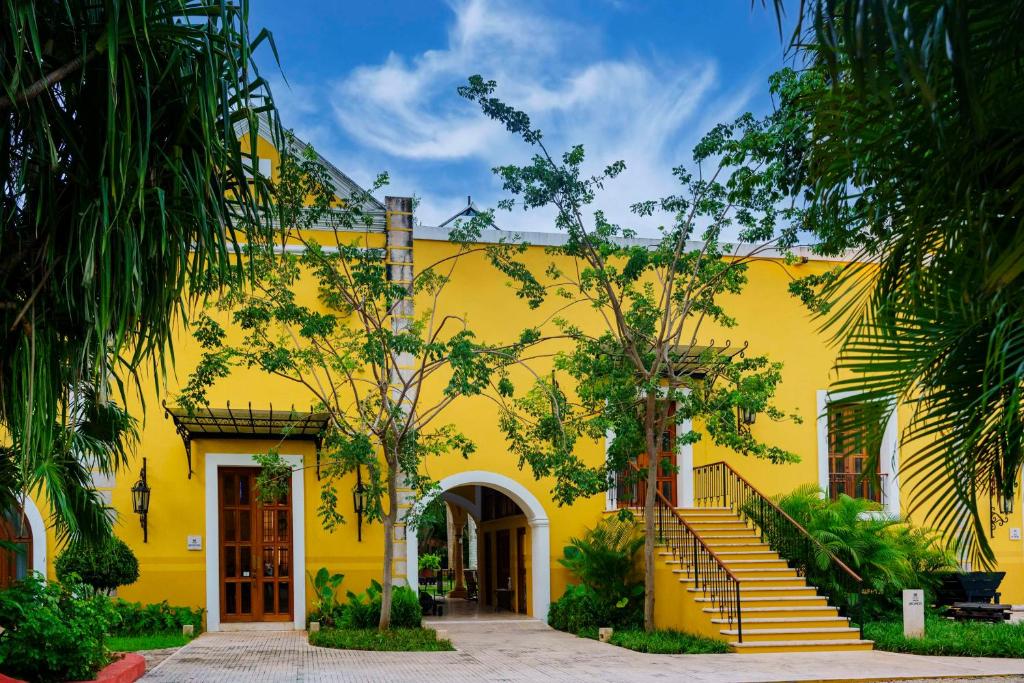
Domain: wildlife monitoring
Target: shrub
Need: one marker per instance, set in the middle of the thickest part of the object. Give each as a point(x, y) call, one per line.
point(943, 637)
point(104, 565)
point(888, 553)
point(136, 619)
point(363, 610)
point(430, 561)
point(665, 642)
point(395, 640)
point(53, 631)
point(611, 594)
point(326, 609)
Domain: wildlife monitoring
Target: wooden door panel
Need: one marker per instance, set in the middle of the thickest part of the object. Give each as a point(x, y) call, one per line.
point(256, 551)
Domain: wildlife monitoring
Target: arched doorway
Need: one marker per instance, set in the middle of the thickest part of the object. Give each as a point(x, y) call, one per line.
point(26, 530)
point(539, 580)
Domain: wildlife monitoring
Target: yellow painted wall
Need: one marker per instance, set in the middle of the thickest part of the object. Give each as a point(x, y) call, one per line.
point(770, 320)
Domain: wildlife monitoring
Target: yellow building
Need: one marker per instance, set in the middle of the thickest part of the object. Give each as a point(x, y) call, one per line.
point(210, 544)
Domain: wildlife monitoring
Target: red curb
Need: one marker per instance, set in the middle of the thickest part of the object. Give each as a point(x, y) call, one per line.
point(128, 669)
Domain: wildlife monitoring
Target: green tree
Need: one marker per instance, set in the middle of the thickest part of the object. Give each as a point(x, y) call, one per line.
point(384, 375)
point(125, 188)
point(912, 153)
point(652, 302)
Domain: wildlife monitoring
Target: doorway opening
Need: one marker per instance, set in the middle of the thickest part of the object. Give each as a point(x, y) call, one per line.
point(489, 558)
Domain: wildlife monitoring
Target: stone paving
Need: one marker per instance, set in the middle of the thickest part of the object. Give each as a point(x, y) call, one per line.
point(519, 650)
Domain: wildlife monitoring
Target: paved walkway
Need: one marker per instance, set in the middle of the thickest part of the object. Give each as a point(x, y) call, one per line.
point(516, 650)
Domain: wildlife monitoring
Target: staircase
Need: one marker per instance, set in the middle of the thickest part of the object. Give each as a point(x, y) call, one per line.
point(778, 610)
point(723, 576)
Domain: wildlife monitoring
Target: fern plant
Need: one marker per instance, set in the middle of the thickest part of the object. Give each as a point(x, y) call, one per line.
point(888, 553)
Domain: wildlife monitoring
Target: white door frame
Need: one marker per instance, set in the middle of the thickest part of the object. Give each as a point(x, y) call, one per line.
point(540, 537)
point(218, 460)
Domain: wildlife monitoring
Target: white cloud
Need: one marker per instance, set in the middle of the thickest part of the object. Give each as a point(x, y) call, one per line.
point(643, 110)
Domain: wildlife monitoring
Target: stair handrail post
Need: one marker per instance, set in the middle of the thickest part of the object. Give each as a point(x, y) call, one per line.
point(739, 614)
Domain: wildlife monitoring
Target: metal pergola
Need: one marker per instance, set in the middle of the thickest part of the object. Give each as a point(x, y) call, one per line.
point(248, 423)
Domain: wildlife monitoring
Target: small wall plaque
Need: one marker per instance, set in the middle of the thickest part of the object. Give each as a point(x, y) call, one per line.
point(1015, 534)
point(195, 543)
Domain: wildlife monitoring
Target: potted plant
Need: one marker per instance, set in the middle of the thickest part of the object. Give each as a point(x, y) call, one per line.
point(429, 564)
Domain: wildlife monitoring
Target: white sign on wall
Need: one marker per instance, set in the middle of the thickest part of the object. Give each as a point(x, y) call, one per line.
point(1015, 534)
point(195, 543)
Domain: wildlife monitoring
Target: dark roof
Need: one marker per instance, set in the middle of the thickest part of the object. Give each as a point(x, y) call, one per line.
point(248, 423)
point(470, 211)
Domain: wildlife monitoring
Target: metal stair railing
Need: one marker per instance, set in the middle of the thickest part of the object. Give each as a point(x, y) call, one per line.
point(719, 485)
point(701, 563)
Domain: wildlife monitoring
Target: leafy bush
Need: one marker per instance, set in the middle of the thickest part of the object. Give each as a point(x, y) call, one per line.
point(611, 593)
point(326, 609)
point(666, 642)
point(53, 631)
point(136, 619)
point(395, 640)
point(363, 610)
point(949, 638)
point(104, 565)
point(430, 561)
point(888, 553)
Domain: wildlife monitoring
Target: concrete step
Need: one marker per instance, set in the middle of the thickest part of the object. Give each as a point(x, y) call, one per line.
point(745, 572)
point(753, 584)
point(826, 645)
point(752, 635)
point(785, 622)
point(782, 611)
point(755, 591)
point(742, 565)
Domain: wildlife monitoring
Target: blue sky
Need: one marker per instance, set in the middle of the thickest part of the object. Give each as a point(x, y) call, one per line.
point(372, 86)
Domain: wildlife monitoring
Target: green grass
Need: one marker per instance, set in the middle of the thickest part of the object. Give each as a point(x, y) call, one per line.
point(947, 637)
point(395, 640)
point(156, 641)
point(663, 642)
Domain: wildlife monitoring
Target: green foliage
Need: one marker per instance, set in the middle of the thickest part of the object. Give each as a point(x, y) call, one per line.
point(159, 641)
point(394, 640)
point(945, 637)
point(430, 561)
point(888, 553)
point(326, 608)
point(104, 565)
point(914, 103)
point(53, 631)
point(136, 619)
point(362, 611)
point(605, 560)
point(663, 642)
point(126, 192)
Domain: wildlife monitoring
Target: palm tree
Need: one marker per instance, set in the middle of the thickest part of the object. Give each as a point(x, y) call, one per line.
point(126, 194)
point(915, 157)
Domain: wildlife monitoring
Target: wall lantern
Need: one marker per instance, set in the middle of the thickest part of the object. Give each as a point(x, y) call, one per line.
point(140, 501)
point(746, 416)
point(359, 502)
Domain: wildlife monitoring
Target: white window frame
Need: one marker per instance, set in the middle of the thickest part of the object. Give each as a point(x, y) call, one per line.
point(889, 452)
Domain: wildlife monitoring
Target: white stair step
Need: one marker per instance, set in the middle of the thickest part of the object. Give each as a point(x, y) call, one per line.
point(797, 644)
point(778, 620)
point(761, 610)
point(786, 631)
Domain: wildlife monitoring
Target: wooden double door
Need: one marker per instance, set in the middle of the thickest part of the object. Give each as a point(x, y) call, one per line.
point(257, 572)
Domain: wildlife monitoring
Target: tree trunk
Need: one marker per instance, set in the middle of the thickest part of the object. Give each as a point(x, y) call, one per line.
point(650, 524)
point(390, 518)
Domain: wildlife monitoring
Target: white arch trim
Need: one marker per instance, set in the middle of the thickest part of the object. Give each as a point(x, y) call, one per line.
point(38, 527)
point(540, 546)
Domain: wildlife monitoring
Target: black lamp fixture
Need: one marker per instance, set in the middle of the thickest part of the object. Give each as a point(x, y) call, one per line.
point(999, 511)
point(140, 501)
point(745, 416)
point(359, 502)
